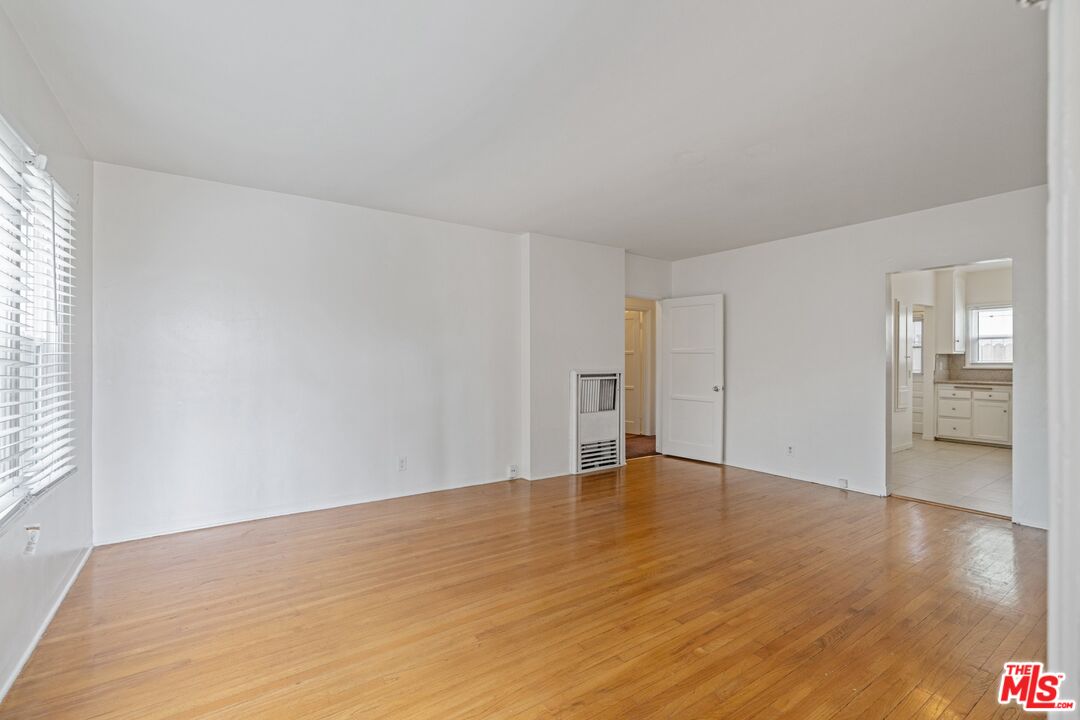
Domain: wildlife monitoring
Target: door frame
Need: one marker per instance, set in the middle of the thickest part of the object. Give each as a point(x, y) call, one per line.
point(649, 407)
point(1063, 343)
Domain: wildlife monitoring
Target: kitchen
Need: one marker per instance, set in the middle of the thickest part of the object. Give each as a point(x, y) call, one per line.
point(952, 395)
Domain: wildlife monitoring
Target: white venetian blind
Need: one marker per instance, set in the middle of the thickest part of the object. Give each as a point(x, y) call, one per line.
point(37, 227)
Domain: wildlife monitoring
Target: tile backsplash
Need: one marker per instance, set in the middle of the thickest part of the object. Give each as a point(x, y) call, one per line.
point(951, 367)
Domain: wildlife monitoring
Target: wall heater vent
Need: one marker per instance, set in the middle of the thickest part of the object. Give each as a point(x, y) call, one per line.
point(596, 424)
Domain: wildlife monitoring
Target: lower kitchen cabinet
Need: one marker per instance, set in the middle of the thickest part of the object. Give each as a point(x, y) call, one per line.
point(974, 413)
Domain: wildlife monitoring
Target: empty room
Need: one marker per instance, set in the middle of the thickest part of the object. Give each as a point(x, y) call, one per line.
point(521, 359)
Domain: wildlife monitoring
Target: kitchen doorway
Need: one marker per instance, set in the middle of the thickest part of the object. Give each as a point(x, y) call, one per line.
point(950, 372)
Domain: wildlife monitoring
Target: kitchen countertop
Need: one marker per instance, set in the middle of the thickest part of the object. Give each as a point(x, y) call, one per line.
point(1003, 383)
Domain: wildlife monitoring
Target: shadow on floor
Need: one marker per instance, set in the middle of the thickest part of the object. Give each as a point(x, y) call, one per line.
point(640, 446)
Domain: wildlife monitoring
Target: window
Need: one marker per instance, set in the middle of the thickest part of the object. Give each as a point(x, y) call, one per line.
point(991, 337)
point(37, 226)
point(916, 345)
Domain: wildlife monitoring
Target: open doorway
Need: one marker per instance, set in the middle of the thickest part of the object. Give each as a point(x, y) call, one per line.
point(950, 357)
point(639, 378)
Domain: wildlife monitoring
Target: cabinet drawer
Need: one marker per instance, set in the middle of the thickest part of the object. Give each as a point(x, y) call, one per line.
point(954, 427)
point(949, 408)
point(991, 395)
point(953, 393)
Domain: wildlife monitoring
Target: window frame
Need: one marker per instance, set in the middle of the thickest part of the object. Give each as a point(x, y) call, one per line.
point(37, 313)
point(973, 338)
point(921, 320)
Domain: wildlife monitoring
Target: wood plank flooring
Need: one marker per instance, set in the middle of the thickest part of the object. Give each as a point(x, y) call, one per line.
point(668, 589)
point(640, 446)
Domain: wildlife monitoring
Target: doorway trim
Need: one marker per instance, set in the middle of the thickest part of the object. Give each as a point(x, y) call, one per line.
point(1063, 342)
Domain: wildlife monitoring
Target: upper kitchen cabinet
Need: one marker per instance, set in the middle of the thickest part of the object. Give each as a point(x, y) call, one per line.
point(951, 313)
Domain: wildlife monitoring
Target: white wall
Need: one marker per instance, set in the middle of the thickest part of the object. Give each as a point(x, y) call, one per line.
point(260, 353)
point(574, 297)
point(32, 585)
point(647, 278)
point(988, 287)
point(913, 288)
point(791, 383)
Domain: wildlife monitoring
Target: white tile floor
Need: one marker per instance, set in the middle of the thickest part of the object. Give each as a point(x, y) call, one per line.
point(977, 477)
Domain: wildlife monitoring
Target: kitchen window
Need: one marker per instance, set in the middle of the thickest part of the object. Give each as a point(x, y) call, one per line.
point(991, 338)
point(917, 345)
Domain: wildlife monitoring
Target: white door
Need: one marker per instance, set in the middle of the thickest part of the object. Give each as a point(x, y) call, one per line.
point(902, 338)
point(693, 387)
point(918, 396)
point(632, 373)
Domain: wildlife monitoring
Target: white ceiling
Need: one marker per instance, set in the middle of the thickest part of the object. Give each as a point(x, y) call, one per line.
point(669, 127)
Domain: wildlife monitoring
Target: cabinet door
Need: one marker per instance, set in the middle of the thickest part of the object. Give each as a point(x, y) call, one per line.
point(959, 312)
point(954, 427)
point(990, 421)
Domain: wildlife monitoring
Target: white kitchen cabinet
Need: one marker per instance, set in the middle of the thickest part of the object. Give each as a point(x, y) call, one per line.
point(990, 421)
point(975, 413)
point(951, 326)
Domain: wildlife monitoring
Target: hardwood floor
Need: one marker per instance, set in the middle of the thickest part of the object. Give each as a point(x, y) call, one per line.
point(667, 589)
point(640, 446)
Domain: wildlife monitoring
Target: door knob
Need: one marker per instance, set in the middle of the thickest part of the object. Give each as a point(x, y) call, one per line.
point(716, 388)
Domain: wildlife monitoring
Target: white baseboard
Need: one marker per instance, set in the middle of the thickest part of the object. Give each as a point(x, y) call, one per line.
point(546, 477)
point(787, 474)
point(156, 530)
point(76, 569)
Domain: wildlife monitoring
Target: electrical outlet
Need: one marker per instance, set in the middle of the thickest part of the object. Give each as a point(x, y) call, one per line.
point(844, 483)
point(403, 463)
point(790, 450)
point(513, 471)
point(33, 532)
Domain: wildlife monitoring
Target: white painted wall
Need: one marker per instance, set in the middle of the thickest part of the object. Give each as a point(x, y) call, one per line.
point(260, 353)
point(574, 298)
point(913, 288)
point(988, 287)
point(32, 585)
point(788, 383)
point(647, 278)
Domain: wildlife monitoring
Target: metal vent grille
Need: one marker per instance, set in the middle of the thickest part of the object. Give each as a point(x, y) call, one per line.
point(597, 394)
point(596, 420)
point(601, 454)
